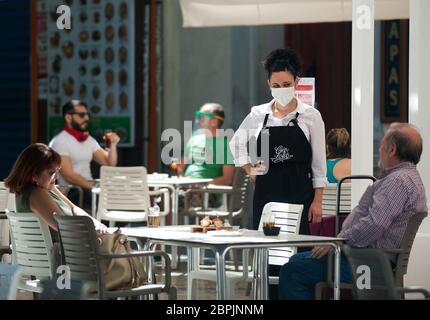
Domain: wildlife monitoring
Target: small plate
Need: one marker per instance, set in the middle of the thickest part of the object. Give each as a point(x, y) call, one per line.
point(224, 233)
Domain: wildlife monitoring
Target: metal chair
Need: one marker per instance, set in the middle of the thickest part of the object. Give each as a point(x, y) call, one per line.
point(10, 275)
point(81, 254)
point(236, 204)
point(402, 259)
point(32, 249)
point(124, 194)
point(373, 276)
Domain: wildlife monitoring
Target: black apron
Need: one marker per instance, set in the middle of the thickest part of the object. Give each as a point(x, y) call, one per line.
point(289, 178)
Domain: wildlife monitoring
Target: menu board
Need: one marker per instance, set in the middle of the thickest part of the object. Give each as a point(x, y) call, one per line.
point(93, 62)
point(305, 91)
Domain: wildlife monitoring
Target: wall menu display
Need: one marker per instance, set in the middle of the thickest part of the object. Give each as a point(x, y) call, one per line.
point(394, 67)
point(94, 62)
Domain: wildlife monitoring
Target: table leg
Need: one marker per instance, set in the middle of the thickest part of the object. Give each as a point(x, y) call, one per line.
point(264, 258)
point(336, 280)
point(175, 210)
point(220, 273)
point(93, 204)
point(255, 268)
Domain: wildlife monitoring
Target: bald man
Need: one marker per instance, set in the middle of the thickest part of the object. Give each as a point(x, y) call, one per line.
point(379, 220)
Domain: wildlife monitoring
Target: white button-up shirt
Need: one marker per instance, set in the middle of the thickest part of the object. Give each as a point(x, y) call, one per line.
point(309, 120)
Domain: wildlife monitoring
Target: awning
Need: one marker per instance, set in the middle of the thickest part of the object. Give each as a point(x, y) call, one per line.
point(217, 13)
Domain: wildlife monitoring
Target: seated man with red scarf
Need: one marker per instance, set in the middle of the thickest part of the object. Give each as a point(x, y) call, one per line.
point(77, 149)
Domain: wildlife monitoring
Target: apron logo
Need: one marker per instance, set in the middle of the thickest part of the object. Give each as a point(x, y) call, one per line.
point(282, 154)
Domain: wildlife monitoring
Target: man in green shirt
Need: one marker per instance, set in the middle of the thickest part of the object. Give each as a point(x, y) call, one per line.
point(207, 154)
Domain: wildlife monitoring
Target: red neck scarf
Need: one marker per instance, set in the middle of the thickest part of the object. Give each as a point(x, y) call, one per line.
point(81, 136)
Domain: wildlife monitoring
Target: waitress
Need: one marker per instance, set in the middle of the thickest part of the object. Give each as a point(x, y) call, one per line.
point(296, 168)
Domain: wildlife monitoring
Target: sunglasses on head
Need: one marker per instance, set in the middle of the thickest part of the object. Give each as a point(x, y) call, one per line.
point(200, 114)
point(81, 114)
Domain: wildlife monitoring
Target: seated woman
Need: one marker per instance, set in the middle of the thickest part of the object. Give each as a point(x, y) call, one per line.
point(32, 179)
point(338, 154)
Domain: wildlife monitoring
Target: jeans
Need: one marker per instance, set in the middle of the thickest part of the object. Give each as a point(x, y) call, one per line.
point(298, 277)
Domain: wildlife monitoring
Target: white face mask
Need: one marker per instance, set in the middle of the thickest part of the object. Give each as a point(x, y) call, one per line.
point(283, 96)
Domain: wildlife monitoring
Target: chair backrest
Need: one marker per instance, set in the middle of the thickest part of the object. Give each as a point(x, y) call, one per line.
point(372, 275)
point(4, 196)
point(330, 196)
point(238, 197)
point(9, 279)
point(123, 188)
point(32, 247)
point(80, 249)
point(406, 245)
point(287, 216)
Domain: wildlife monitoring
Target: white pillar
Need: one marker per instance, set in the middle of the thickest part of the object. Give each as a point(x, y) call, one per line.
point(363, 33)
point(419, 115)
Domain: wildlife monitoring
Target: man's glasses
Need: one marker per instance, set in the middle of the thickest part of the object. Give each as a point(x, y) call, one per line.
point(81, 114)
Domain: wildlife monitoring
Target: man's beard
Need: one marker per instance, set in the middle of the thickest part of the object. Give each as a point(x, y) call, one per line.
point(78, 127)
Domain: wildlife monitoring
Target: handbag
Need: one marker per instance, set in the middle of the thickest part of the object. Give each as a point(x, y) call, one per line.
point(120, 273)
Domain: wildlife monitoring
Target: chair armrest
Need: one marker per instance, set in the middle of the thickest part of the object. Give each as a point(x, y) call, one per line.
point(133, 254)
point(168, 267)
point(213, 188)
point(423, 291)
point(158, 192)
point(393, 250)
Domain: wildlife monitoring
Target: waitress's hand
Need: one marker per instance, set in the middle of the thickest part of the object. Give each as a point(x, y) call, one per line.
point(254, 171)
point(315, 212)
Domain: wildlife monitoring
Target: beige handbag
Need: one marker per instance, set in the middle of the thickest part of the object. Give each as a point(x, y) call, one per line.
point(120, 273)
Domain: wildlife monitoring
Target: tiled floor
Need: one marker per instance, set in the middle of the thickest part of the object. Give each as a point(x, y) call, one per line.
point(205, 289)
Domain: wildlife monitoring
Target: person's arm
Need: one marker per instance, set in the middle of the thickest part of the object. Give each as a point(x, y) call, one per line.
point(100, 227)
point(181, 167)
point(227, 176)
point(239, 141)
point(72, 177)
point(109, 157)
point(42, 204)
point(319, 167)
point(388, 203)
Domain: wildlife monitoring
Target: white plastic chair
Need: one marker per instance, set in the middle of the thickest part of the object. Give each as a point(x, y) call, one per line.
point(32, 249)
point(124, 195)
point(287, 216)
point(329, 199)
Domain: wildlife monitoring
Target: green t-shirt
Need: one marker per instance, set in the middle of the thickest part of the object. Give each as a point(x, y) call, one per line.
point(207, 156)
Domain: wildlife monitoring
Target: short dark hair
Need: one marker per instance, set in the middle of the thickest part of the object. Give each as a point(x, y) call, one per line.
point(408, 149)
point(69, 106)
point(282, 60)
point(32, 161)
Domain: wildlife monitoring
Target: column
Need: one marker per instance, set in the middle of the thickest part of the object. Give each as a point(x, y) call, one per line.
point(419, 114)
point(363, 29)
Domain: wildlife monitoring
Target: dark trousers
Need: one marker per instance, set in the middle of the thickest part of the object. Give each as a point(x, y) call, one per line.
point(298, 277)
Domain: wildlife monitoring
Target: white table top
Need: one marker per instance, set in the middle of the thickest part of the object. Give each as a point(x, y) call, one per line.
point(184, 234)
point(177, 180)
point(171, 181)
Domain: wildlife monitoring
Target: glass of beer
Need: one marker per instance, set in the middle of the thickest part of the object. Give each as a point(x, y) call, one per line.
point(154, 217)
point(106, 138)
